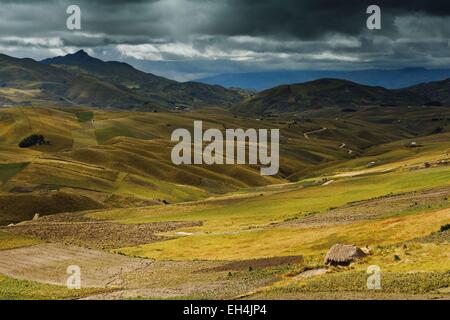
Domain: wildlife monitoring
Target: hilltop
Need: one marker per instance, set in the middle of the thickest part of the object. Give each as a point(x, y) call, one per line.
point(149, 87)
point(390, 78)
point(339, 93)
point(81, 79)
point(438, 91)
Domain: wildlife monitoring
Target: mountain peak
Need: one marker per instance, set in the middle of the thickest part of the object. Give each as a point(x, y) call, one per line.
point(81, 53)
point(80, 56)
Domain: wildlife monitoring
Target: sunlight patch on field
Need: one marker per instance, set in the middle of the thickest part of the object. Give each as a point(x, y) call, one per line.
point(292, 241)
point(238, 214)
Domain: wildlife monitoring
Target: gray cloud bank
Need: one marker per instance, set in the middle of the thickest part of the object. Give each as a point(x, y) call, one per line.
point(185, 39)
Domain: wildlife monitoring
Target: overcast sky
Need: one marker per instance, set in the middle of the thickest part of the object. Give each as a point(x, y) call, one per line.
point(188, 39)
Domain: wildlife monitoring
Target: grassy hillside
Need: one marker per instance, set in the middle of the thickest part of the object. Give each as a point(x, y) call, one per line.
point(81, 79)
point(325, 93)
point(394, 211)
point(103, 159)
point(17, 72)
point(149, 90)
point(105, 187)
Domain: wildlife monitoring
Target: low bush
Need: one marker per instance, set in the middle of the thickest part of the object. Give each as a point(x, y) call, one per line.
point(32, 140)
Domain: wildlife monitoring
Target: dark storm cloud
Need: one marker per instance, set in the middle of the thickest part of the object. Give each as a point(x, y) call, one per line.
point(187, 37)
point(307, 19)
point(312, 18)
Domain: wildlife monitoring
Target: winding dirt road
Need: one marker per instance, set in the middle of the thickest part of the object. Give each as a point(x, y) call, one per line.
point(306, 134)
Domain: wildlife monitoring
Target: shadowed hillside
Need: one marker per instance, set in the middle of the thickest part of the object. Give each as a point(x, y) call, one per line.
point(325, 93)
point(437, 91)
point(81, 79)
point(156, 91)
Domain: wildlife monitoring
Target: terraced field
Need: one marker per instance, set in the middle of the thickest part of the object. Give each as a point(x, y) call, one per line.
point(110, 200)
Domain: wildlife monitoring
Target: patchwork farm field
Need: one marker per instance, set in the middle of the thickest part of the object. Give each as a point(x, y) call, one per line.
point(103, 194)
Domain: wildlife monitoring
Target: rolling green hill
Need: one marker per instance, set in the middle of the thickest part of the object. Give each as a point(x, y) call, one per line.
point(105, 187)
point(326, 93)
point(159, 91)
point(59, 86)
point(358, 165)
point(81, 79)
point(120, 158)
point(27, 72)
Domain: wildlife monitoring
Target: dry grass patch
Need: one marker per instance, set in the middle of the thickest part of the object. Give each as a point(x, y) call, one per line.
point(292, 241)
point(10, 241)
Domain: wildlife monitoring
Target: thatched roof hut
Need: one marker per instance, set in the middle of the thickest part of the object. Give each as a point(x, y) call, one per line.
point(343, 255)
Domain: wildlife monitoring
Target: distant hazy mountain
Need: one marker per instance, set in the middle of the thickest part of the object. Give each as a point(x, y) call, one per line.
point(391, 79)
point(340, 93)
point(81, 79)
point(147, 87)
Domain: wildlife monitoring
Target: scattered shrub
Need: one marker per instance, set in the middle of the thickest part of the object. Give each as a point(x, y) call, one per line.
point(33, 140)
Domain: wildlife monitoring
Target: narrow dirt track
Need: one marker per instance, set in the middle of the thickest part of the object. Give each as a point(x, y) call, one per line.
point(306, 134)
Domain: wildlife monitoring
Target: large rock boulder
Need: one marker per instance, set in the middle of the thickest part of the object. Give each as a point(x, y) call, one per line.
point(343, 255)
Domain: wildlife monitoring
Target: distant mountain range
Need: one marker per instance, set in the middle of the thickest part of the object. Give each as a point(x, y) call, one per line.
point(391, 79)
point(345, 94)
point(82, 79)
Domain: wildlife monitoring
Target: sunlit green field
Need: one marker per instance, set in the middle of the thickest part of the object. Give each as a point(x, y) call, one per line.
point(243, 213)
